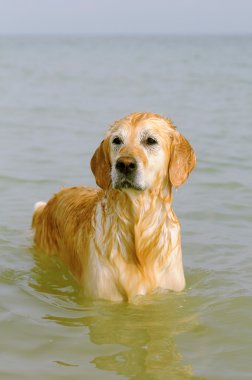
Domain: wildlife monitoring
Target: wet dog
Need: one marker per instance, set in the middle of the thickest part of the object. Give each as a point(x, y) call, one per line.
point(123, 239)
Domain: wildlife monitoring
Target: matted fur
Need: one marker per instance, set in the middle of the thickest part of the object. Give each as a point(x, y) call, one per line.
point(123, 240)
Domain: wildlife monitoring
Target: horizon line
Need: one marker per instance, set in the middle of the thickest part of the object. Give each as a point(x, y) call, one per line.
point(73, 34)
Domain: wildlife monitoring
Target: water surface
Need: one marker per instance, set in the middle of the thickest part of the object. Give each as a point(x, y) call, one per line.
point(59, 95)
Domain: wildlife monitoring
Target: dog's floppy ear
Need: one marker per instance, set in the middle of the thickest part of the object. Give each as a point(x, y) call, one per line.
point(182, 160)
point(100, 165)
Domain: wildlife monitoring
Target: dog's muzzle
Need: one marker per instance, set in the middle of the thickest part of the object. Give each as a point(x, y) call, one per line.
point(126, 168)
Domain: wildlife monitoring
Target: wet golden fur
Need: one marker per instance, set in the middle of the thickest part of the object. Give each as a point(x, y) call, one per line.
point(122, 240)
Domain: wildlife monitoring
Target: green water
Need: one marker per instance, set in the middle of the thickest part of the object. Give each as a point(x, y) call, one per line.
point(62, 335)
point(58, 97)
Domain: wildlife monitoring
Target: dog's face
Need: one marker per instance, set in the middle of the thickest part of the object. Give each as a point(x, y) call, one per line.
point(142, 151)
point(138, 154)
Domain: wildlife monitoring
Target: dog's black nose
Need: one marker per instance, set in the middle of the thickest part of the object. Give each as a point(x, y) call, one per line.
point(126, 165)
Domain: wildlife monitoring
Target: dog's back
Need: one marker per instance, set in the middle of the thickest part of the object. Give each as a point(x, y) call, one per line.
point(64, 224)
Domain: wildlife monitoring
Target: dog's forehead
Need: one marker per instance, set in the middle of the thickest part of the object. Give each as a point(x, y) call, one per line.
point(129, 127)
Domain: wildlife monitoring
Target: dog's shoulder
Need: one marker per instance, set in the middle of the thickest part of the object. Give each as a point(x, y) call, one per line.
point(76, 198)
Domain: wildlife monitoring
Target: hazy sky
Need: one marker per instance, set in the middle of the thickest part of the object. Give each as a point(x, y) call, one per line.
point(125, 16)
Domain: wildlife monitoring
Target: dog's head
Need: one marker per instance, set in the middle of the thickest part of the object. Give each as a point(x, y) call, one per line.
point(142, 151)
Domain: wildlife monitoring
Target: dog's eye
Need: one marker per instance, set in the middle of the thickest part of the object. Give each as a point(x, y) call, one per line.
point(117, 141)
point(151, 141)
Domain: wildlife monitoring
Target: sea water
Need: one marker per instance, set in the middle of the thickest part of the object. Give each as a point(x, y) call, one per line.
point(58, 97)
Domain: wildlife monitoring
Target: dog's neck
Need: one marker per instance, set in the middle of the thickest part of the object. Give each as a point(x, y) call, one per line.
point(141, 223)
point(136, 205)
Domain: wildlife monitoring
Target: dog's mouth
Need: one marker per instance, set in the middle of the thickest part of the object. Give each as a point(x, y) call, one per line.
point(127, 184)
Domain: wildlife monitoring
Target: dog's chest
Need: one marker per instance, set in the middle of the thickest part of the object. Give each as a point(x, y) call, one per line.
point(131, 254)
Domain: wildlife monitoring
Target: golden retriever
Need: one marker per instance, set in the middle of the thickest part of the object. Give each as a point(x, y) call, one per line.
point(123, 240)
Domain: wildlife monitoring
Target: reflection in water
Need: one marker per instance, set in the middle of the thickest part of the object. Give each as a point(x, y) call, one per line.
point(140, 338)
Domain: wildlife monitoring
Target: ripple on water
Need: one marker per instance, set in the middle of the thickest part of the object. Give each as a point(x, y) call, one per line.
point(49, 128)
